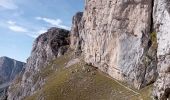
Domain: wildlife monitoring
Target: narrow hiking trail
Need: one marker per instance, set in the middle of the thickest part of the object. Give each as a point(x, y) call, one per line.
point(126, 87)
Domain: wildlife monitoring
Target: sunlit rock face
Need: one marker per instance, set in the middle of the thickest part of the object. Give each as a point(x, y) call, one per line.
point(46, 48)
point(75, 29)
point(127, 39)
point(162, 27)
point(116, 38)
point(75, 39)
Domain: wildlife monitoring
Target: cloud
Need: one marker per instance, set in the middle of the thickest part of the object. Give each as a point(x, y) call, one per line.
point(11, 22)
point(8, 4)
point(54, 22)
point(34, 33)
point(41, 31)
point(50, 21)
point(37, 33)
point(16, 28)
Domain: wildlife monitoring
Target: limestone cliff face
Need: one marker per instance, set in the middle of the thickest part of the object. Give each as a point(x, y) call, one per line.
point(46, 47)
point(75, 39)
point(127, 39)
point(116, 38)
point(162, 25)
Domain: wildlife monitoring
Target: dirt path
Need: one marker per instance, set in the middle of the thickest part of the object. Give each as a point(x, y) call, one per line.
point(136, 93)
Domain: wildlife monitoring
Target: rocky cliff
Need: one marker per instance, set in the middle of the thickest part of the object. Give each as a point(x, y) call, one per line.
point(46, 48)
point(129, 48)
point(126, 39)
point(9, 68)
point(119, 42)
point(75, 39)
point(161, 19)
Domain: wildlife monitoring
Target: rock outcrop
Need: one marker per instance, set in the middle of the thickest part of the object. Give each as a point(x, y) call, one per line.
point(162, 24)
point(117, 41)
point(46, 47)
point(75, 39)
point(9, 68)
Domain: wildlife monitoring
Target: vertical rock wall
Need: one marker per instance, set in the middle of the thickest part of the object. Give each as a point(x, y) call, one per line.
point(116, 38)
point(162, 27)
point(75, 30)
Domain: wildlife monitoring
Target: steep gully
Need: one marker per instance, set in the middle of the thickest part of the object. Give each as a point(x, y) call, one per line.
point(150, 42)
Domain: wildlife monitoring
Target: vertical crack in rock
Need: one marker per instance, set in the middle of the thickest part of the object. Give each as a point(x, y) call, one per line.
point(152, 22)
point(150, 58)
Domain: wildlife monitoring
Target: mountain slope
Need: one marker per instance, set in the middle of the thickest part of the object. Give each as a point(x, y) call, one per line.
point(81, 82)
point(9, 69)
point(46, 47)
point(126, 39)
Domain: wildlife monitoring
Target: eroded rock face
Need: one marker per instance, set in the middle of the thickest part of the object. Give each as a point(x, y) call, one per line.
point(75, 39)
point(116, 39)
point(46, 47)
point(162, 25)
point(9, 69)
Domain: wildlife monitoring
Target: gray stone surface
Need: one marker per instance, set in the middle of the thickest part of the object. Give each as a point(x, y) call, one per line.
point(162, 27)
point(127, 39)
point(46, 48)
point(9, 68)
point(116, 39)
point(75, 39)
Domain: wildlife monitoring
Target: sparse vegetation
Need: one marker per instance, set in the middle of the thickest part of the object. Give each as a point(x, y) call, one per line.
point(145, 94)
point(154, 39)
point(80, 82)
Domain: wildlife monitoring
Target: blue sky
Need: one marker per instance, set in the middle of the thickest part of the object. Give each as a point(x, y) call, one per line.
point(21, 21)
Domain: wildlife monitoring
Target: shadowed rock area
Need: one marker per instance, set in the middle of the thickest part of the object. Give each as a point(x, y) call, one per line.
point(9, 69)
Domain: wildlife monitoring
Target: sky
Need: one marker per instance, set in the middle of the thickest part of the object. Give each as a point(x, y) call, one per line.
point(21, 21)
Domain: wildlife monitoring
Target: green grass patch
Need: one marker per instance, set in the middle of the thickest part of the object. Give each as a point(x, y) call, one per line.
point(145, 94)
point(80, 82)
point(154, 39)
